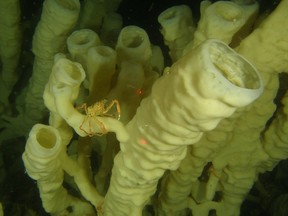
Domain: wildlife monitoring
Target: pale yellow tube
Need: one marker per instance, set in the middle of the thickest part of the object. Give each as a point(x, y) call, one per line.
point(222, 20)
point(79, 42)
point(43, 163)
point(10, 47)
point(57, 20)
point(191, 98)
point(60, 93)
point(177, 29)
point(101, 65)
point(133, 45)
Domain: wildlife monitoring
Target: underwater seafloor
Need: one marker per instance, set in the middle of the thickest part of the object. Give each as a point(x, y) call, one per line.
point(19, 193)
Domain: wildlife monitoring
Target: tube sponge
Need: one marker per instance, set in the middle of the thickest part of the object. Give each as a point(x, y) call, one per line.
point(42, 149)
point(10, 46)
point(224, 19)
point(101, 64)
point(205, 86)
point(61, 91)
point(177, 29)
point(79, 42)
point(133, 45)
point(57, 20)
point(42, 161)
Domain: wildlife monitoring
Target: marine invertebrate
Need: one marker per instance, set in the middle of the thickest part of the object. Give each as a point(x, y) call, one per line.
point(100, 108)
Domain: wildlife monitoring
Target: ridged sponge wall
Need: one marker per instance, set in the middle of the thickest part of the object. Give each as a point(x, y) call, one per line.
point(203, 87)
